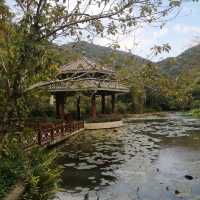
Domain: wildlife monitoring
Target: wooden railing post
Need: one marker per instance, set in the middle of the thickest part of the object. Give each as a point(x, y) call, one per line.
point(103, 103)
point(52, 135)
point(39, 137)
point(78, 108)
point(93, 107)
point(113, 103)
point(62, 129)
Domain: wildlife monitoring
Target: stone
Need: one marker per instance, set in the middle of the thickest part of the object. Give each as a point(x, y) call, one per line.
point(188, 177)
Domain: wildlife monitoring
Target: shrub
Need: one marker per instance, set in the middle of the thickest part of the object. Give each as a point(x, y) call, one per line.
point(196, 104)
point(43, 175)
point(195, 113)
point(44, 111)
point(152, 109)
point(12, 165)
point(121, 107)
point(36, 168)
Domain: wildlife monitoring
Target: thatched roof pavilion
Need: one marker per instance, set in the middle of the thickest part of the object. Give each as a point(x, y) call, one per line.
point(88, 78)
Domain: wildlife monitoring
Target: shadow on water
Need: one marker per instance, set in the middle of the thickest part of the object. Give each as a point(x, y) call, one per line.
point(143, 160)
point(90, 159)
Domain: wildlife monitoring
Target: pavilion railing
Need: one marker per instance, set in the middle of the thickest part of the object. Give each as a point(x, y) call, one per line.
point(85, 84)
point(50, 134)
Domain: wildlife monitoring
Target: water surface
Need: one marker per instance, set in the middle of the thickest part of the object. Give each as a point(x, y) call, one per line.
point(143, 160)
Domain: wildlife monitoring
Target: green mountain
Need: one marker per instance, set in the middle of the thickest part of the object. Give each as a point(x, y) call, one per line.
point(104, 54)
point(187, 61)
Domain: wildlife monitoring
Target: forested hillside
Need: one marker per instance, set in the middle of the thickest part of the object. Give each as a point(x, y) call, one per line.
point(104, 54)
point(188, 60)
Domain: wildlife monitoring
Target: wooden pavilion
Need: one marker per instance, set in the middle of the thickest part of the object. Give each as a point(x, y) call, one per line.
point(85, 77)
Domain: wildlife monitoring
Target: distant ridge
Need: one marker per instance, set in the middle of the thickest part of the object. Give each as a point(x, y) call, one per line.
point(188, 60)
point(99, 53)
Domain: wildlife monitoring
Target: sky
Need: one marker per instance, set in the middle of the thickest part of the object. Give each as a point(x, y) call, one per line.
point(181, 33)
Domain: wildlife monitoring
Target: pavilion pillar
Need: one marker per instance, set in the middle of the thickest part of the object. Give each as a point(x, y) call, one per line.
point(78, 108)
point(60, 103)
point(103, 103)
point(113, 103)
point(93, 109)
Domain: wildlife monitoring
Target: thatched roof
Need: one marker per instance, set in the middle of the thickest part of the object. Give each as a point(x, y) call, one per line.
point(85, 64)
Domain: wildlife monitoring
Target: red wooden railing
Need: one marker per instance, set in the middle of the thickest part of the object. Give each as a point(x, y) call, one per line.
point(48, 134)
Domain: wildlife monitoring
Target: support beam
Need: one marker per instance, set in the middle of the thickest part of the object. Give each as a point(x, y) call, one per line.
point(51, 100)
point(60, 104)
point(78, 108)
point(103, 104)
point(93, 109)
point(113, 103)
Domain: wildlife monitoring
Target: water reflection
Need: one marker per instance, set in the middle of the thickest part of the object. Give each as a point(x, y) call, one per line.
point(143, 160)
point(90, 159)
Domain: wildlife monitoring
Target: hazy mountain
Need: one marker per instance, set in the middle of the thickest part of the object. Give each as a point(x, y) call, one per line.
point(188, 60)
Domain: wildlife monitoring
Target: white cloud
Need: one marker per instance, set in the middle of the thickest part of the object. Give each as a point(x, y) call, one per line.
point(160, 33)
point(138, 41)
point(186, 29)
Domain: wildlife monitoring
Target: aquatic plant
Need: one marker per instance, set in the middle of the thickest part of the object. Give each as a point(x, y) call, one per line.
point(195, 112)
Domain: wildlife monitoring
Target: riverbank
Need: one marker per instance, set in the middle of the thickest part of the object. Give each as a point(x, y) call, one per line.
point(147, 117)
point(149, 114)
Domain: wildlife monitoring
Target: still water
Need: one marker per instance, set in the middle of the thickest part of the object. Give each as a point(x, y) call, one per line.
point(146, 160)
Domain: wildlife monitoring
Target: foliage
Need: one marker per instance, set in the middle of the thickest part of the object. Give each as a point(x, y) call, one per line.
point(12, 165)
point(43, 175)
point(36, 168)
point(21, 57)
point(121, 107)
point(195, 112)
point(44, 112)
point(39, 106)
point(151, 89)
point(195, 104)
point(75, 19)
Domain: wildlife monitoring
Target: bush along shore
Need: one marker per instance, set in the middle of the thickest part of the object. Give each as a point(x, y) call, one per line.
point(32, 173)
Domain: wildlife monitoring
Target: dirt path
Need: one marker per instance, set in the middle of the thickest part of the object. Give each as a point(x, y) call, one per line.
point(16, 191)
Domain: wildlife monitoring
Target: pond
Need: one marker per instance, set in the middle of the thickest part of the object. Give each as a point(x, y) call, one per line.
point(153, 159)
